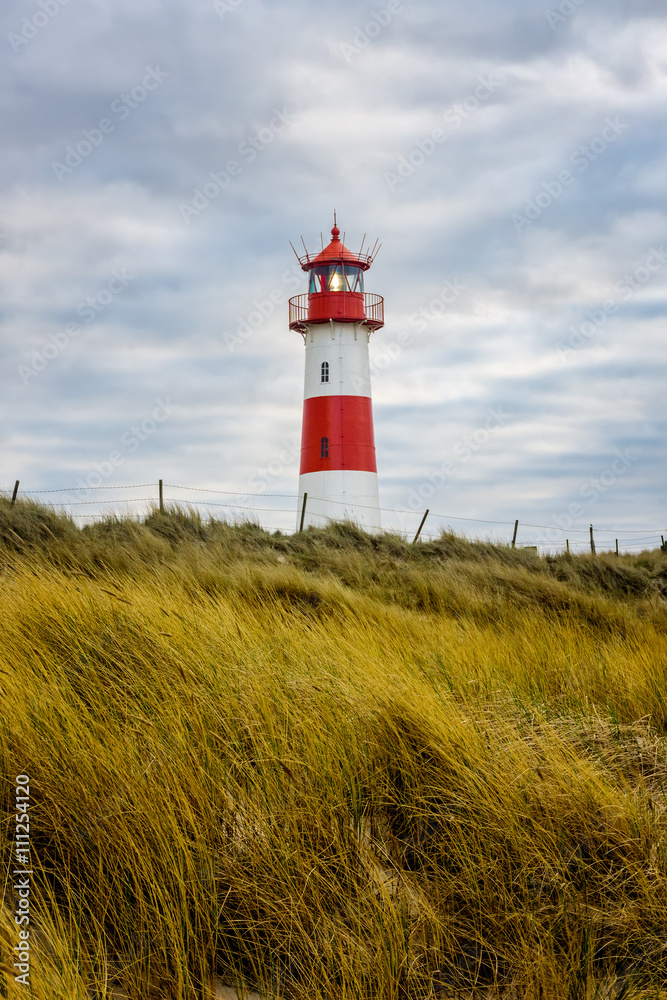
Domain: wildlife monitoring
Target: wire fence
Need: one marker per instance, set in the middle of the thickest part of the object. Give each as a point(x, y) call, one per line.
point(410, 523)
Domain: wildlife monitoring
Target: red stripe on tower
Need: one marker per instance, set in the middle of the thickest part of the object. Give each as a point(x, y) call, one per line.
point(337, 433)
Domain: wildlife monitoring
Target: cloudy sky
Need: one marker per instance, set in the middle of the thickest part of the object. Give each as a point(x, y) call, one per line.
point(158, 157)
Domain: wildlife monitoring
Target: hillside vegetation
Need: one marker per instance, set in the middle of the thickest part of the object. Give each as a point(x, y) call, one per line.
point(329, 765)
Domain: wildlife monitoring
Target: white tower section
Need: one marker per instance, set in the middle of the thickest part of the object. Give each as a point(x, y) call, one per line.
point(343, 484)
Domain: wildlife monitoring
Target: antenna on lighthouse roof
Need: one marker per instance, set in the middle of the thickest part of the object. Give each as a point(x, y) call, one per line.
point(335, 223)
point(295, 253)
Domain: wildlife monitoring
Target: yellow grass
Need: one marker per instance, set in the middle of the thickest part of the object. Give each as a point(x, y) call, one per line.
point(327, 766)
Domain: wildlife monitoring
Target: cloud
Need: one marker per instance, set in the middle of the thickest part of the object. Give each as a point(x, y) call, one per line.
point(346, 123)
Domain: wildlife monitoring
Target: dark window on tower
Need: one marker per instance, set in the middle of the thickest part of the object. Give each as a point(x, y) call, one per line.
point(336, 278)
point(355, 278)
point(324, 448)
point(324, 377)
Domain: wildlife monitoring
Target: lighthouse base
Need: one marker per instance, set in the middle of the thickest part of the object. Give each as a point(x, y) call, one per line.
point(339, 495)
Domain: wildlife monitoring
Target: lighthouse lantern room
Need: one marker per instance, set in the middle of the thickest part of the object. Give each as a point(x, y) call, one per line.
point(336, 319)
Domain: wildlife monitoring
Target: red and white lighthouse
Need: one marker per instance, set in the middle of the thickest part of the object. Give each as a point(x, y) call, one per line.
point(336, 319)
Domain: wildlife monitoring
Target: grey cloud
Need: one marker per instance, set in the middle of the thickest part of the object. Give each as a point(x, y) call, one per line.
point(451, 218)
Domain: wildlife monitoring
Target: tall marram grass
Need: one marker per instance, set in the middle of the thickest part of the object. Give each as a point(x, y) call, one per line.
point(330, 765)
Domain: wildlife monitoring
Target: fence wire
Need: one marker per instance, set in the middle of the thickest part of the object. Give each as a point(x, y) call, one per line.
point(603, 535)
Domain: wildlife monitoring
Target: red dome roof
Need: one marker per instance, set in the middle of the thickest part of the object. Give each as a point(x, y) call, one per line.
point(334, 253)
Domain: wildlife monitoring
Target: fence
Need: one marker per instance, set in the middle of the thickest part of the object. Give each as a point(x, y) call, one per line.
point(595, 538)
point(303, 308)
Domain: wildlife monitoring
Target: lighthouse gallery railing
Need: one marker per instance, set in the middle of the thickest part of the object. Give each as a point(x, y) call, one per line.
point(373, 308)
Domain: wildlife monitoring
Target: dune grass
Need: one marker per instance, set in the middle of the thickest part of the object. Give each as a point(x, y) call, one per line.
point(331, 765)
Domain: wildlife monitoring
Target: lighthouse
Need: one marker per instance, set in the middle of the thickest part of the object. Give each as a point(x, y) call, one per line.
point(336, 318)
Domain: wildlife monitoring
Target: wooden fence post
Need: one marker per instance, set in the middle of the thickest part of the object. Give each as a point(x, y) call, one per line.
point(419, 529)
point(303, 511)
point(592, 541)
point(567, 545)
point(161, 499)
point(516, 528)
point(16, 489)
point(617, 548)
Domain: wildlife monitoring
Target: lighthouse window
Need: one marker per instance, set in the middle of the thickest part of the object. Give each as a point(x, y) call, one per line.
point(355, 278)
point(315, 282)
point(324, 377)
point(324, 448)
point(337, 282)
point(336, 278)
point(320, 279)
